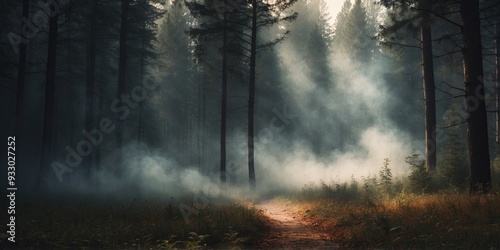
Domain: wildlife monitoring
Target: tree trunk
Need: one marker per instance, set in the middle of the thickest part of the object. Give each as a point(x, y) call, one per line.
point(477, 129)
point(251, 96)
point(201, 124)
point(497, 113)
point(223, 112)
point(21, 75)
point(429, 89)
point(90, 84)
point(140, 129)
point(122, 63)
point(50, 78)
point(100, 110)
point(21, 80)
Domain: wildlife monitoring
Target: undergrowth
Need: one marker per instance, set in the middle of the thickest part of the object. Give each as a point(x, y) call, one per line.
point(422, 210)
point(411, 221)
point(138, 225)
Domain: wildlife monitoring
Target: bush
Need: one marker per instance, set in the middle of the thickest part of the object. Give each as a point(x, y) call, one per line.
point(369, 187)
point(419, 178)
point(333, 191)
point(453, 168)
point(495, 171)
point(385, 175)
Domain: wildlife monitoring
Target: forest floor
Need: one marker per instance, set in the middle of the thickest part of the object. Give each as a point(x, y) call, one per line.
point(290, 228)
point(446, 220)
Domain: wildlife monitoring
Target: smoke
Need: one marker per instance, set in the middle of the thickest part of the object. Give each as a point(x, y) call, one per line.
point(356, 103)
point(329, 131)
point(296, 168)
point(144, 173)
point(358, 100)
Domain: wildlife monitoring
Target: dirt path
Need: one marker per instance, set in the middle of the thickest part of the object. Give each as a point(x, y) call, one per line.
point(290, 230)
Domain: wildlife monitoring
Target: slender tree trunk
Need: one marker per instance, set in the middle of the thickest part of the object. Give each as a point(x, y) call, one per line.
point(251, 97)
point(477, 128)
point(69, 90)
point(140, 129)
point(21, 75)
point(497, 113)
point(73, 93)
point(429, 89)
point(55, 125)
point(203, 118)
point(122, 63)
point(223, 104)
point(21, 80)
point(90, 83)
point(204, 131)
point(100, 110)
point(50, 78)
point(201, 125)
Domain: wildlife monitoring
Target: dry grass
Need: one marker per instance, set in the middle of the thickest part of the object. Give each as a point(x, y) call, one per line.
point(412, 221)
point(137, 225)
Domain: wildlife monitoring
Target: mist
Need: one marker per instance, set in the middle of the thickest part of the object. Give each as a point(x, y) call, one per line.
point(310, 127)
point(362, 100)
point(262, 124)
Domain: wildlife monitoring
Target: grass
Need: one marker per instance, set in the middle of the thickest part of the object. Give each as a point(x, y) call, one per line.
point(443, 220)
point(419, 211)
point(143, 224)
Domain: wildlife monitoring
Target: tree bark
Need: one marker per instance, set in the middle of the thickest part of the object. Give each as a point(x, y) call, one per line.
point(223, 113)
point(477, 129)
point(497, 83)
point(21, 75)
point(90, 83)
point(100, 110)
point(251, 97)
point(50, 78)
point(429, 88)
point(140, 127)
point(122, 63)
point(21, 80)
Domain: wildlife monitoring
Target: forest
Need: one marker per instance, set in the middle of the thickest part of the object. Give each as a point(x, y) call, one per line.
point(166, 124)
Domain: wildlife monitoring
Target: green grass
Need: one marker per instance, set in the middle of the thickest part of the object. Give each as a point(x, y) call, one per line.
point(138, 225)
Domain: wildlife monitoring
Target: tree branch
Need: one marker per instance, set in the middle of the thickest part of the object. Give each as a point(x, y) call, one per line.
point(455, 88)
point(438, 15)
point(452, 125)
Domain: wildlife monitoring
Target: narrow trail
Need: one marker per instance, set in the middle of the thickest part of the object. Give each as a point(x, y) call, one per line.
point(290, 230)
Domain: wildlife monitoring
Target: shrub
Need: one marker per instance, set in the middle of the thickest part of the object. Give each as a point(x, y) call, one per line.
point(369, 187)
point(419, 178)
point(453, 167)
point(385, 183)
